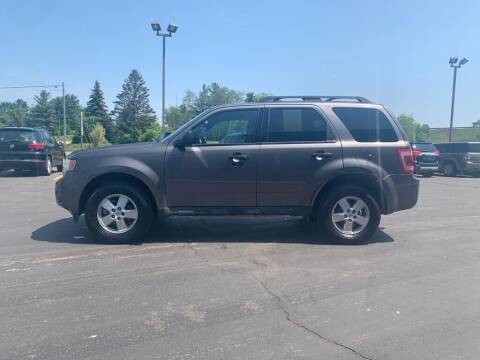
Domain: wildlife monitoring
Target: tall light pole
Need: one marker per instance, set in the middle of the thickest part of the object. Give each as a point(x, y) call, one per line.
point(172, 28)
point(455, 64)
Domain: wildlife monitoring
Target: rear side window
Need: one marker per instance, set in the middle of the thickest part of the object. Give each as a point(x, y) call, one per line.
point(297, 125)
point(16, 135)
point(366, 125)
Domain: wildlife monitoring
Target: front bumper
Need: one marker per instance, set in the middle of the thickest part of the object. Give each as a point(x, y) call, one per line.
point(471, 167)
point(67, 194)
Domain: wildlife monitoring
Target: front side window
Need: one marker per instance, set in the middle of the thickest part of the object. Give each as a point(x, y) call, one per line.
point(297, 125)
point(227, 127)
point(366, 125)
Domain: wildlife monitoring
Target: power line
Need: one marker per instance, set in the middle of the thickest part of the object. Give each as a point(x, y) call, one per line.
point(30, 86)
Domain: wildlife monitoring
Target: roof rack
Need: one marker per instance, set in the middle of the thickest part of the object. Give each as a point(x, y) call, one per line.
point(318, 98)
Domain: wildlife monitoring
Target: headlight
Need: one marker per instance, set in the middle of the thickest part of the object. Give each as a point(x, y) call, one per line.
point(69, 165)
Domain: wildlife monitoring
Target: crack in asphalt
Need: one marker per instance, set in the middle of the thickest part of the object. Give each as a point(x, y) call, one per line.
point(279, 302)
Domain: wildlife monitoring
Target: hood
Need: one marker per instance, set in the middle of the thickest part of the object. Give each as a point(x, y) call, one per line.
point(114, 150)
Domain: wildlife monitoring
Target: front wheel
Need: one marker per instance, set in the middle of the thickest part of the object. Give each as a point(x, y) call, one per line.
point(348, 215)
point(119, 214)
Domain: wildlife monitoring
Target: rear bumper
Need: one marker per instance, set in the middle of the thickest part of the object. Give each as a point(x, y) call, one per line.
point(426, 168)
point(27, 164)
point(400, 192)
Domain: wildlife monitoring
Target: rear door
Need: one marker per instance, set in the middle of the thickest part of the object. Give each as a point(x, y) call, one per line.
point(298, 145)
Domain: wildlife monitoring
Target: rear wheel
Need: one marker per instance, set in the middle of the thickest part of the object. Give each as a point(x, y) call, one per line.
point(59, 168)
point(449, 169)
point(46, 170)
point(428, 174)
point(119, 214)
point(348, 215)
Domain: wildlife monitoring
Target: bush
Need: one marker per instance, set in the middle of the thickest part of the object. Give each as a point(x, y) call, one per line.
point(97, 135)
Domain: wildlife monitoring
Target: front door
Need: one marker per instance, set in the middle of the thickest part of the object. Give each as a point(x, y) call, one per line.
point(297, 147)
point(220, 168)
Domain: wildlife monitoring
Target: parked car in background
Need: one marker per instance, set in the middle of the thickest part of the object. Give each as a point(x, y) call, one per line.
point(426, 157)
point(339, 161)
point(33, 149)
point(460, 158)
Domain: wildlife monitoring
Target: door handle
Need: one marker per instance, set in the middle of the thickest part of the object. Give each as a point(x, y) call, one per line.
point(320, 155)
point(237, 158)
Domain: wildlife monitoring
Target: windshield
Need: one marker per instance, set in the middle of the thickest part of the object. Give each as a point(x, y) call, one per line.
point(425, 147)
point(16, 135)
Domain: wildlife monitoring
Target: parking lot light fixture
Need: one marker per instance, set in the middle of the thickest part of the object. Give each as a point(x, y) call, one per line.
point(156, 27)
point(171, 29)
point(453, 63)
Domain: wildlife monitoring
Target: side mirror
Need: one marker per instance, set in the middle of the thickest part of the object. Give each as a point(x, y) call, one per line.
point(184, 141)
point(165, 134)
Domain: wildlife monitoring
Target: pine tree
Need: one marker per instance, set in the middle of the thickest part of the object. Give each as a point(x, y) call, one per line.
point(42, 114)
point(96, 112)
point(96, 104)
point(132, 109)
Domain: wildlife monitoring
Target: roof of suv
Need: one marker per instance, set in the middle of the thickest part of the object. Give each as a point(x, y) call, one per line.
point(22, 128)
point(315, 99)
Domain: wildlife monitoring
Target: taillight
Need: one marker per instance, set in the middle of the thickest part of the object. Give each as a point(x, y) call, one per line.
point(36, 146)
point(417, 153)
point(436, 152)
point(405, 156)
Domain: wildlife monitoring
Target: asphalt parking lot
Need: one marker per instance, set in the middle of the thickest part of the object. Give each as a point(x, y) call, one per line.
point(246, 288)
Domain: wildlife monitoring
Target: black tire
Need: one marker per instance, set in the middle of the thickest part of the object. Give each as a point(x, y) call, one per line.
point(144, 208)
point(59, 168)
point(46, 169)
point(326, 206)
point(449, 169)
point(428, 175)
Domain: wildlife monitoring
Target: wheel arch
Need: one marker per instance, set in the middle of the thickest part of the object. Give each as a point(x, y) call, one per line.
point(112, 178)
point(369, 182)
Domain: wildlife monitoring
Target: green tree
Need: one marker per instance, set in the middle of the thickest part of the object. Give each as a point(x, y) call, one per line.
point(42, 113)
point(14, 113)
point(97, 111)
point(96, 104)
point(97, 135)
point(72, 111)
point(414, 130)
point(132, 109)
point(152, 133)
point(251, 97)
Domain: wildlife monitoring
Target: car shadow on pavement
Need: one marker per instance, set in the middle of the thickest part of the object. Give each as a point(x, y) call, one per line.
point(205, 229)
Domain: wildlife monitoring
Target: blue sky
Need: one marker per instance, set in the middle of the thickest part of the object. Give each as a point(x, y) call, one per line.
point(393, 52)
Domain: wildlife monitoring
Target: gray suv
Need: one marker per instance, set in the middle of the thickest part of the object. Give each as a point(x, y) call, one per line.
point(339, 161)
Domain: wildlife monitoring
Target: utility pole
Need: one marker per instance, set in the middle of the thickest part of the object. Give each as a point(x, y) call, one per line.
point(64, 117)
point(81, 129)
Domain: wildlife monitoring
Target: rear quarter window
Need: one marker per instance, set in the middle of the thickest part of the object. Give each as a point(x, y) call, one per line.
point(366, 125)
